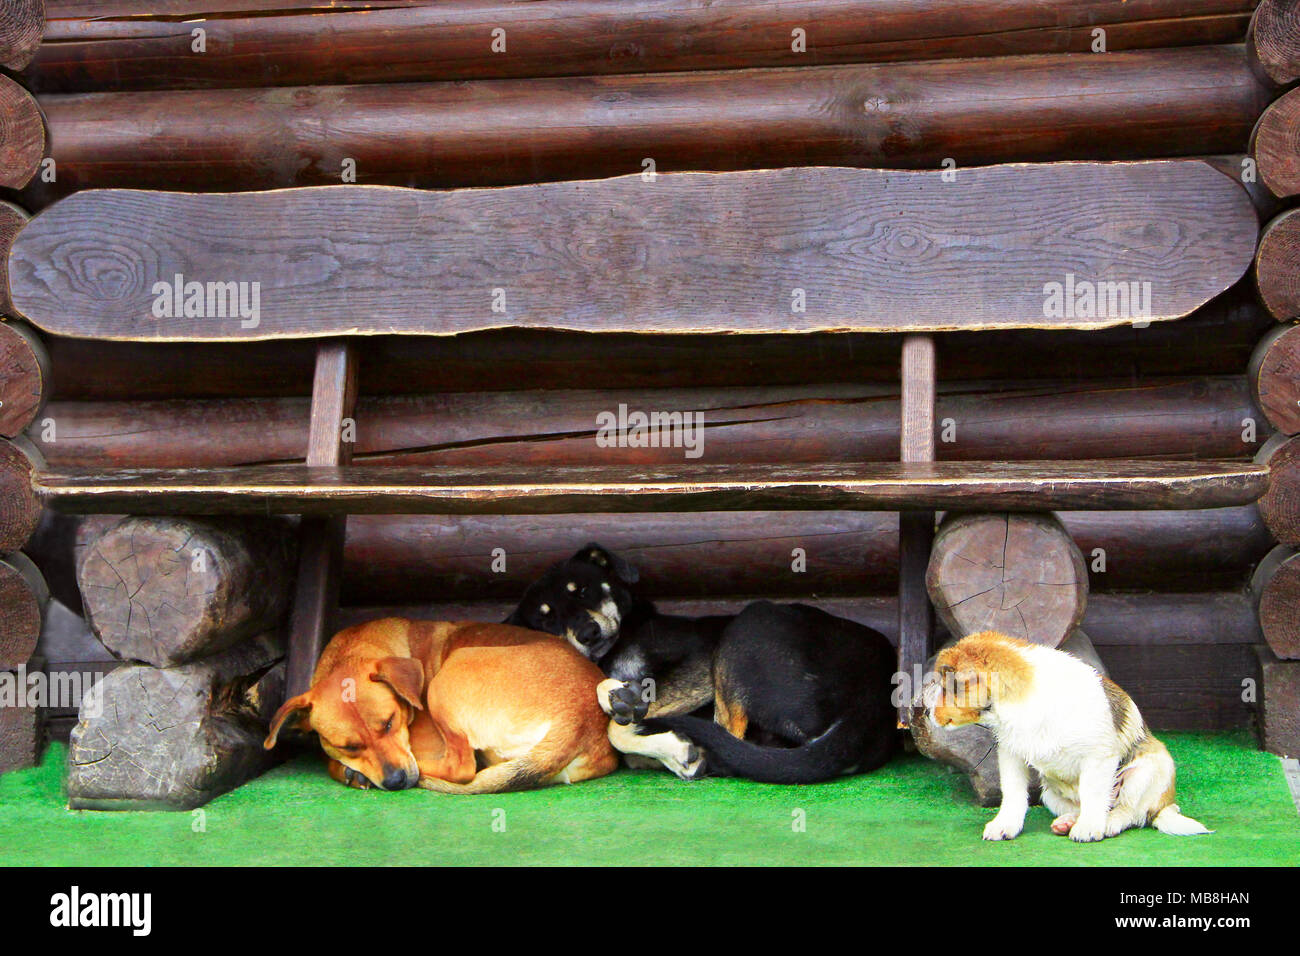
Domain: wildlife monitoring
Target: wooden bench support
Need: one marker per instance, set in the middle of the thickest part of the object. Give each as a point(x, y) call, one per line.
point(320, 545)
point(916, 528)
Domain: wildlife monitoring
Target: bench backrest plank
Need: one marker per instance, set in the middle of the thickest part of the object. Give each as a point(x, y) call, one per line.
point(871, 250)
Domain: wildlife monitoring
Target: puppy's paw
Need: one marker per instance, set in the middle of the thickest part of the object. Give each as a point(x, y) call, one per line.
point(621, 701)
point(1062, 824)
point(603, 692)
point(676, 753)
point(356, 780)
point(1088, 831)
point(1002, 828)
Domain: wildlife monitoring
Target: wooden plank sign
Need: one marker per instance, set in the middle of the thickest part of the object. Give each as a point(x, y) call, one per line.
point(1067, 245)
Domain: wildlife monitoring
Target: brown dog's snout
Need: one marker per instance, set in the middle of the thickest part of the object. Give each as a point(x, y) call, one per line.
point(397, 778)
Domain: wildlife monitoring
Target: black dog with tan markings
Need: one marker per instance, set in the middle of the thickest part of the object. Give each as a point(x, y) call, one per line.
point(779, 693)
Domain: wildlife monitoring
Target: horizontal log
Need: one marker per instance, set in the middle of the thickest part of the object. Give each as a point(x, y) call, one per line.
point(1277, 266)
point(1275, 144)
point(1276, 588)
point(1278, 725)
point(1274, 376)
point(1280, 505)
point(1065, 245)
point(22, 135)
point(1110, 484)
point(19, 510)
point(1197, 417)
point(24, 377)
point(23, 597)
point(1274, 40)
point(1125, 105)
point(1181, 657)
point(21, 24)
point(128, 44)
point(1216, 339)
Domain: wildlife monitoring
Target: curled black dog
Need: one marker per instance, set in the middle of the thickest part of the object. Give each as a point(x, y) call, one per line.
point(779, 693)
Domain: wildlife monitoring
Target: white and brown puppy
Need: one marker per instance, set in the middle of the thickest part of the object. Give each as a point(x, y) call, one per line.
point(1102, 770)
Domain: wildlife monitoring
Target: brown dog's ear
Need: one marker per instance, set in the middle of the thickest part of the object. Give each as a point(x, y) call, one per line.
point(405, 675)
point(295, 708)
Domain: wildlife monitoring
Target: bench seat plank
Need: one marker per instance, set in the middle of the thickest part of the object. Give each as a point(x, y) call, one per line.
point(359, 489)
point(1057, 245)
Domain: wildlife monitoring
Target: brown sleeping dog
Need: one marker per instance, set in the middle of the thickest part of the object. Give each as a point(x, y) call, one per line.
point(454, 707)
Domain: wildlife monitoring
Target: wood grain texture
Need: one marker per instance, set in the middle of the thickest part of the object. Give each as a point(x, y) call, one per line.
point(915, 530)
point(12, 220)
point(1275, 144)
point(1126, 105)
point(22, 737)
point(1019, 574)
point(1274, 40)
point(137, 45)
point(1274, 376)
point(169, 590)
point(23, 597)
point(872, 250)
point(19, 510)
point(24, 377)
point(1278, 710)
point(22, 22)
point(1280, 505)
point(1277, 266)
point(22, 135)
point(1276, 587)
point(296, 489)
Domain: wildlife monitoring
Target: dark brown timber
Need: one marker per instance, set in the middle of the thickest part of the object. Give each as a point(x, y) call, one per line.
point(139, 45)
point(1119, 484)
point(1126, 105)
point(1274, 377)
point(168, 590)
point(1276, 587)
point(22, 135)
point(1066, 245)
point(1277, 266)
point(1274, 40)
point(24, 377)
point(12, 219)
point(23, 596)
point(21, 25)
point(1019, 574)
point(1280, 505)
point(19, 510)
point(1275, 145)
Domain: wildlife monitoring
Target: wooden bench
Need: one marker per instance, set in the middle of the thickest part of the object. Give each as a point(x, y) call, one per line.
point(789, 250)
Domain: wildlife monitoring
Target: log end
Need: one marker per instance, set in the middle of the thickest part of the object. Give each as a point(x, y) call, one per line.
point(1275, 144)
point(23, 596)
point(1276, 587)
point(1277, 266)
point(22, 24)
point(24, 377)
point(1274, 376)
point(22, 135)
point(20, 510)
point(1280, 505)
point(1274, 41)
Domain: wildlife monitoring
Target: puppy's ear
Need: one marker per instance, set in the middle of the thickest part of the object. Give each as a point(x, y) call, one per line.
point(296, 709)
point(405, 675)
point(595, 554)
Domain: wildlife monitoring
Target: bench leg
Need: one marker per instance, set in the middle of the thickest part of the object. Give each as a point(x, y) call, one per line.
point(915, 529)
point(320, 561)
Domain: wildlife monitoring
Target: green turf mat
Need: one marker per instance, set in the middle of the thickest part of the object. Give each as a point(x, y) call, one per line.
point(912, 812)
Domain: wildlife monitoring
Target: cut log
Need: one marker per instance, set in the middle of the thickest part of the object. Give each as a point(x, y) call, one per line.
point(22, 134)
point(1086, 245)
point(1277, 266)
point(1125, 105)
point(1280, 505)
point(1111, 484)
point(1275, 378)
point(172, 738)
point(19, 510)
point(170, 590)
point(12, 219)
point(21, 24)
point(1191, 417)
point(1278, 707)
point(24, 377)
point(972, 750)
point(1276, 587)
point(23, 596)
point(1216, 339)
point(22, 735)
point(128, 44)
point(1275, 145)
point(1019, 574)
point(1274, 41)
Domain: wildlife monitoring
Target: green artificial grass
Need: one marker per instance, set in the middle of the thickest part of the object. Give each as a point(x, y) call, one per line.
point(912, 812)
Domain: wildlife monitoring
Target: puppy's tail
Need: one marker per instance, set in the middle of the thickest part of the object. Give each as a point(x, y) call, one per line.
point(1169, 820)
point(518, 774)
point(845, 746)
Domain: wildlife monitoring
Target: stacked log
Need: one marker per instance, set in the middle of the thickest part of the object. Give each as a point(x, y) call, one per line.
point(1274, 372)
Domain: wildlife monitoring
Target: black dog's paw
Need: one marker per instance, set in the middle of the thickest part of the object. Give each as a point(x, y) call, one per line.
point(620, 700)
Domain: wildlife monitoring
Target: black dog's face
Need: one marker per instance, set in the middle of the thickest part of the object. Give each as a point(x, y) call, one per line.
point(583, 600)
